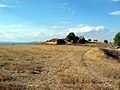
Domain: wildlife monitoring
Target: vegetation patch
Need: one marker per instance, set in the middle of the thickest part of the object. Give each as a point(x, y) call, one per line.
point(112, 54)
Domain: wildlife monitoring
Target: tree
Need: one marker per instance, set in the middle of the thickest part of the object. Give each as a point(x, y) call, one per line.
point(76, 38)
point(117, 39)
point(70, 37)
point(105, 41)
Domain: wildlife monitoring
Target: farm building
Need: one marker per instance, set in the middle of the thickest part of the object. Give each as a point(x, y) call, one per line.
point(56, 41)
point(52, 41)
point(93, 41)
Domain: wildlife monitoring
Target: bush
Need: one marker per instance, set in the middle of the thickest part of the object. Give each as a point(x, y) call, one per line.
point(105, 41)
point(117, 39)
point(61, 41)
point(81, 39)
point(70, 37)
point(89, 40)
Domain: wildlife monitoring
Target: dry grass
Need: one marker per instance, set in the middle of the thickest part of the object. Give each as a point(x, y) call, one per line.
point(57, 67)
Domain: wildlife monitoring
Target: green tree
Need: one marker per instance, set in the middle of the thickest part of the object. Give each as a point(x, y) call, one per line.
point(117, 39)
point(70, 37)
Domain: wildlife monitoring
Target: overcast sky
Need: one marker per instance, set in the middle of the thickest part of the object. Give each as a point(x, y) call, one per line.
point(40, 20)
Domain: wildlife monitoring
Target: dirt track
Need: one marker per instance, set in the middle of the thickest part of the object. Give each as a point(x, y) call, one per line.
point(94, 75)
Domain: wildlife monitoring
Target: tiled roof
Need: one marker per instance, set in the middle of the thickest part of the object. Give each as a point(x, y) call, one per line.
point(53, 40)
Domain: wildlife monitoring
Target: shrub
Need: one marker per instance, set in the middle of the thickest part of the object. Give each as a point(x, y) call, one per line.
point(89, 40)
point(117, 39)
point(61, 41)
point(81, 39)
point(105, 41)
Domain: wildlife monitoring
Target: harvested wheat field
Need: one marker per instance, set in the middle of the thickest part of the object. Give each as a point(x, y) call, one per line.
point(58, 67)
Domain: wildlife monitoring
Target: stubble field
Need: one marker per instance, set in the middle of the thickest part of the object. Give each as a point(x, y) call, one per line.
point(58, 67)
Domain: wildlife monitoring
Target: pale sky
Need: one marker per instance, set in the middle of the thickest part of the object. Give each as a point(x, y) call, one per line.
point(40, 20)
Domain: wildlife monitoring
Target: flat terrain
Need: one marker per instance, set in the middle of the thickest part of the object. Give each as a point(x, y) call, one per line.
point(58, 67)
